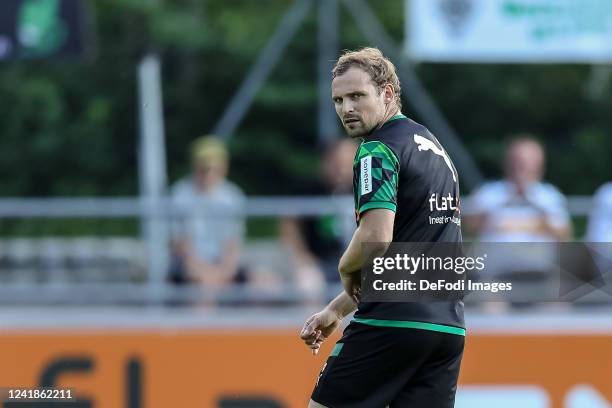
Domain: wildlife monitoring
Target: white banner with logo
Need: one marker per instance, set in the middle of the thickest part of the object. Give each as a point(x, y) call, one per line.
point(509, 30)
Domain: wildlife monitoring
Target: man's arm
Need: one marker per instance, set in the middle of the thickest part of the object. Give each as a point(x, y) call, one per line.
point(342, 305)
point(375, 203)
point(375, 229)
point(376, 177)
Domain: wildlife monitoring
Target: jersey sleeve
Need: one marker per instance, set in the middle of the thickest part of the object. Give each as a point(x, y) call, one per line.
point(376, 171)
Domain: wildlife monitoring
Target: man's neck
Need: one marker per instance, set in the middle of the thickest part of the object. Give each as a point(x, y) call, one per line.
point(392, 112)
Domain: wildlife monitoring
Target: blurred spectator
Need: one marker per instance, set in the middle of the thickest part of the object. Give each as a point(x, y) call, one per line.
point(317, 243)
point(599, 232)
point(520, 208)
point(208, 233)
point(600, 219)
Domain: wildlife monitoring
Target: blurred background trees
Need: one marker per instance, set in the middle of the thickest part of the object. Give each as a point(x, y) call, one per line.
point(70, 127)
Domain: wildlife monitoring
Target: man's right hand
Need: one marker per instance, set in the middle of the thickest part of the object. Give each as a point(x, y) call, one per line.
point(318, 328)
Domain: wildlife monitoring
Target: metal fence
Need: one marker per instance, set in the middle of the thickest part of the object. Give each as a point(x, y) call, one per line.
point(134, 271)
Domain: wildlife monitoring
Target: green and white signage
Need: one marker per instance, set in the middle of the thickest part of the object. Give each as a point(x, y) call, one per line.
point(509, 30)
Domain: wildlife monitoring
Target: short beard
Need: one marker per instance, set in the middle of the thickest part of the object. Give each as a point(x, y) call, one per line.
point(359, 133)
point(356, 135)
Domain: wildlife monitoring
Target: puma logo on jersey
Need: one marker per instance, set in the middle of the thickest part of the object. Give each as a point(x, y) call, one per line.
point(425, 144)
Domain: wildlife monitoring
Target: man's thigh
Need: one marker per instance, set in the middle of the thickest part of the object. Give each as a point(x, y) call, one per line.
point(371, 365)
point(434, 384)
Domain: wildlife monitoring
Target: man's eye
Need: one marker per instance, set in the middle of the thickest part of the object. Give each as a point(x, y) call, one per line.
point(356, 96)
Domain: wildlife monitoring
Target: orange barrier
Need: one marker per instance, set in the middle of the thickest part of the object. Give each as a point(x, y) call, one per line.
point(270, 368)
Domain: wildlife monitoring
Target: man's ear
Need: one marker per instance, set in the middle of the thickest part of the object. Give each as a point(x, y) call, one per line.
point(388, 93)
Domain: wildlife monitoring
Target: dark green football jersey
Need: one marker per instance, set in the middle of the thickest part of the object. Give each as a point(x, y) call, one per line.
point(404, 168)
point(377, 171)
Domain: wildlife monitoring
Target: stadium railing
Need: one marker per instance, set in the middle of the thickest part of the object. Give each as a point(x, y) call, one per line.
point(118, 269)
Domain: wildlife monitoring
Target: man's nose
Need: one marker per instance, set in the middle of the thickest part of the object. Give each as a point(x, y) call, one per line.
point(347, 107)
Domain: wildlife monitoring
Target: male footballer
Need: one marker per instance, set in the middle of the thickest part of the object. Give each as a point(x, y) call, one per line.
point(396, 354)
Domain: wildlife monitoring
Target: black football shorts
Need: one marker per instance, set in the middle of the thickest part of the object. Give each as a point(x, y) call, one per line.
point(376, 367)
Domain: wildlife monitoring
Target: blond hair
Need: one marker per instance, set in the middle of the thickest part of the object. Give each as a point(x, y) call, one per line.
point(208, 148)
point(371, 60)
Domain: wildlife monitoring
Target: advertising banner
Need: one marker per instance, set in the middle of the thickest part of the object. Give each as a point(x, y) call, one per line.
point(509, 30)
point(271, 369)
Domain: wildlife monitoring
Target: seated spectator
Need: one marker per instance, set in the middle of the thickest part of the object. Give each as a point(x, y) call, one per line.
point(520, 208)
point(599, 228)
point(209, 230)
point(599, 233)
point(317, 243)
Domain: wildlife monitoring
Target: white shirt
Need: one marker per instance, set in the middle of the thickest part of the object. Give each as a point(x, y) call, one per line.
point(209, 219)
point(512, 218)
point(600, 219)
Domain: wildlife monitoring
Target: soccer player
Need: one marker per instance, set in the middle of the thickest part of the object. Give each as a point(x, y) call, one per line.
point(397, 354)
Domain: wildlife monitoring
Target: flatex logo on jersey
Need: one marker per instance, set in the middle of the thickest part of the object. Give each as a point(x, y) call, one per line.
point(442, 203)
point(446, 202)
point(366, 175)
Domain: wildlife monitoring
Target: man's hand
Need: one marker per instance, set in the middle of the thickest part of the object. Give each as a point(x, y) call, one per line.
point(318, 328)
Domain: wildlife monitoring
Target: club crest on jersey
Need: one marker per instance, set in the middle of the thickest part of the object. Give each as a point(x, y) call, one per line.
point(425, 144)
point(366, 175)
